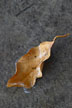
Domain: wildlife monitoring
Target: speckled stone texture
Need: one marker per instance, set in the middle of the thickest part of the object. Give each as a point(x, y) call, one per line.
point(23, 25)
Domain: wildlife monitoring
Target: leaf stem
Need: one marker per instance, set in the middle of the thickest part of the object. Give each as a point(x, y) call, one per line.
point(61, 36)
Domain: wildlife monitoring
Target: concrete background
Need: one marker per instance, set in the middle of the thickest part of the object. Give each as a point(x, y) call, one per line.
point(23, 25)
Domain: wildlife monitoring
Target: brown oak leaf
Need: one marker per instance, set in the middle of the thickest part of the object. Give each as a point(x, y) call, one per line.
point(29, 67)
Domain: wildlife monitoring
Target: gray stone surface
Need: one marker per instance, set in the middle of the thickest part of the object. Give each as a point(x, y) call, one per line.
point(23, 25)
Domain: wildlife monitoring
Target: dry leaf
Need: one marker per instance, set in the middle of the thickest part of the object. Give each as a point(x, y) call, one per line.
point(29, 67)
